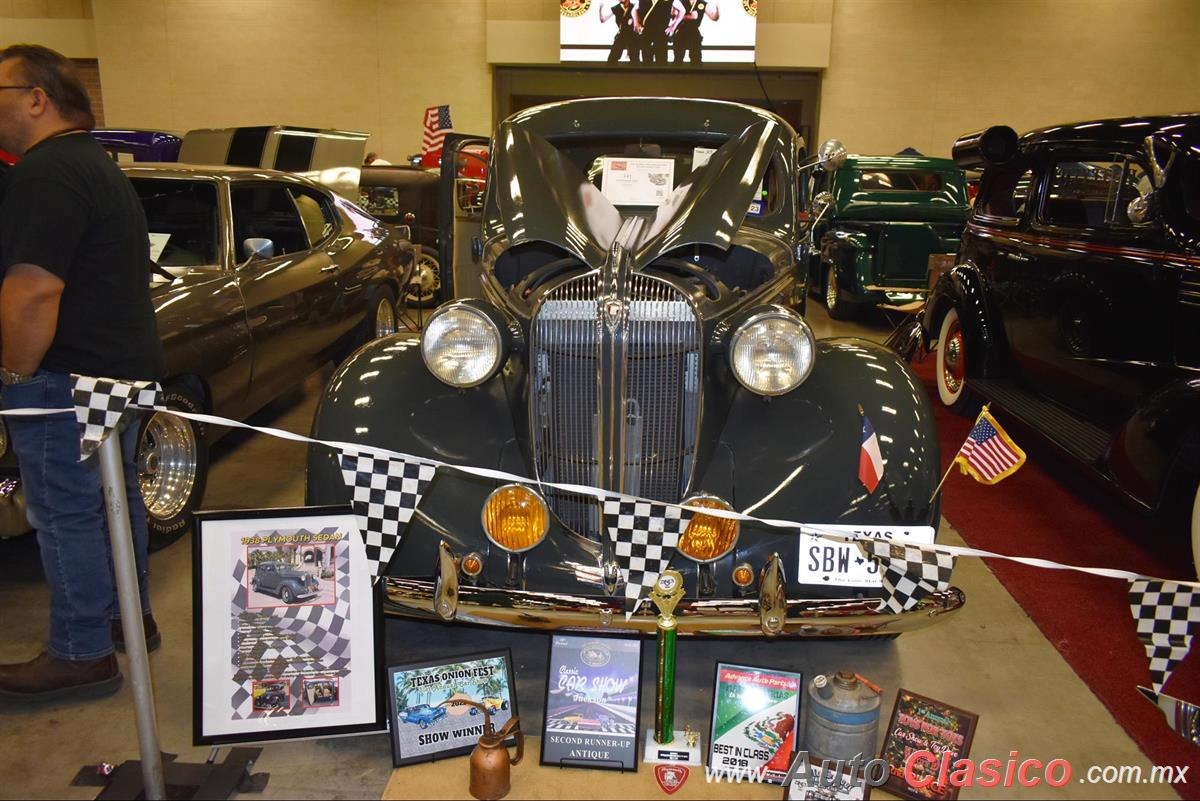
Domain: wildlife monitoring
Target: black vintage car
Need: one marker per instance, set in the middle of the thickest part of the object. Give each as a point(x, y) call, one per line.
point(1074, 304)
point(262, 277)
point(284, 582)
point(636, 332)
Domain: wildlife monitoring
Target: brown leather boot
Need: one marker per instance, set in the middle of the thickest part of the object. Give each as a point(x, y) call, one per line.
point(46, 677)
point(149, 626)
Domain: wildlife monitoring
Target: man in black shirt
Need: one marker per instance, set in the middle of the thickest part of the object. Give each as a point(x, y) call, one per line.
point(685, 32)
point(651, 20)
point(626, 39)
point(74, 252)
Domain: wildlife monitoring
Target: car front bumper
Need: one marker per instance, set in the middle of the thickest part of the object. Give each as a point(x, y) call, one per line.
point(770, 614)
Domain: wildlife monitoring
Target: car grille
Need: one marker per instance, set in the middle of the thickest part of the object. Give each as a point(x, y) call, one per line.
point(660, 385)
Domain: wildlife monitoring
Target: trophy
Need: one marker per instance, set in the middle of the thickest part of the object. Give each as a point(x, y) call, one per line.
point(667, 744)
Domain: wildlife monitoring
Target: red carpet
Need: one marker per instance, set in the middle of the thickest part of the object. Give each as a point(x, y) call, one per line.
point(1047, 509)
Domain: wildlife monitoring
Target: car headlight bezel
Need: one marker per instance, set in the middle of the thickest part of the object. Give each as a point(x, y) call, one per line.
point(436, 334)
point(706, 499)
point(754, 323)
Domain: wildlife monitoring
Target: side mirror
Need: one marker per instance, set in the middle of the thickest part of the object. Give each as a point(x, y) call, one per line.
point(257, 247)
point(831, 155)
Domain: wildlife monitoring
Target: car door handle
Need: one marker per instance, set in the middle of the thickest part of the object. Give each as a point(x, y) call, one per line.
point(1017, 256)
point(329, 269)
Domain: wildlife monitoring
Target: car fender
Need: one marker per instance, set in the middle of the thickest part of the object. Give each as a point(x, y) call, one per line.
point(1154, 457)
point(965, 288)
point(796, 456)
point(850, 253)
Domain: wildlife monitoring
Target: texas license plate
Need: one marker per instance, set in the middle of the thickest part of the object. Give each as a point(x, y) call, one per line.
point(824, 561)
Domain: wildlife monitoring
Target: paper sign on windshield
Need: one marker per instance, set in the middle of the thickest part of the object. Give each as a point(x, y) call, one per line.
point(637, 181)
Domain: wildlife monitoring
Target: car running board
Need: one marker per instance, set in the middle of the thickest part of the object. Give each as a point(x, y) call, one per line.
point(1079, 438)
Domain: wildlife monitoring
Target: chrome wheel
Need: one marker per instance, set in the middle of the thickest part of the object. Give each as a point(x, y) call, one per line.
point(426, 281)
point(951, 359)
point(167, 462)
point(385, 318)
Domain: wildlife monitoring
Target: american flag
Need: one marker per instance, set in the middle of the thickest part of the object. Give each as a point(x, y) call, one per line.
point(437, 125)
point(989, 454)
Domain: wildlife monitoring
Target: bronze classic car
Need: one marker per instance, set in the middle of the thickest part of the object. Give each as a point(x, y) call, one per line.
point(638, 331)
point(261, 277)
point(1074, 303)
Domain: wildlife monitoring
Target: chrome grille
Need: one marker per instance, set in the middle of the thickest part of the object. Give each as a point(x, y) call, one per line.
point(660, 352)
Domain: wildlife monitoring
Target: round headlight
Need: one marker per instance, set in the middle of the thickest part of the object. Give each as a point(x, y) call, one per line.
point(462, 346)
point(707, 538)
point(772, 352)
point(515, 518)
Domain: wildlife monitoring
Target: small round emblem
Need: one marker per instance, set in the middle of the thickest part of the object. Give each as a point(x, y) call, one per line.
point(573, 8)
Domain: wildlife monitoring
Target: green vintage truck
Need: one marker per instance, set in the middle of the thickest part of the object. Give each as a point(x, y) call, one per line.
point(878, 224)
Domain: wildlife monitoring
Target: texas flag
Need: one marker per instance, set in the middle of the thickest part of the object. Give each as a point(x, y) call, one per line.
point(870, 461)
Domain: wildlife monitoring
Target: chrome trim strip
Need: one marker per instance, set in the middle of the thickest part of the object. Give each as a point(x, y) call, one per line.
point(797, 617)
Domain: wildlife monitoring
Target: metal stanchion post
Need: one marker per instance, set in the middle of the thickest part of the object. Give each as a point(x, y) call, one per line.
point(125, 569)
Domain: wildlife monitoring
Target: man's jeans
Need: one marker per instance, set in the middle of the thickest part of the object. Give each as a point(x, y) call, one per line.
point(64, 501)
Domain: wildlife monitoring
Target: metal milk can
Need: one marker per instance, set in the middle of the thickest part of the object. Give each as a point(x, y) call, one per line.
point(490, 761)
point(843, 717)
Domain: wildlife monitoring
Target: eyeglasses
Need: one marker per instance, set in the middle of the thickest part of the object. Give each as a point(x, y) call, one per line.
point(21, 86)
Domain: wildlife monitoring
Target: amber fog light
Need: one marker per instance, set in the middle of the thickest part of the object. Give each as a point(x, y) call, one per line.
point(472, 565)
point(743, 575)
point(708, 538)
point(515, 518)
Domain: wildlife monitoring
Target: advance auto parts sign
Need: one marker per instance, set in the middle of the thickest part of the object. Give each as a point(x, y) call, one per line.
point(755, 721)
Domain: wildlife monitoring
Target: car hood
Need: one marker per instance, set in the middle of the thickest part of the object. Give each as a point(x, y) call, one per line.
point(541, 196)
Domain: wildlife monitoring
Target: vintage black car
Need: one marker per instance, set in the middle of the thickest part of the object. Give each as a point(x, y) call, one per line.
point(877, 223)
point(403, 195)
point(262, 277)
point(634, 333)
point(286, 583)
point(1075, 299)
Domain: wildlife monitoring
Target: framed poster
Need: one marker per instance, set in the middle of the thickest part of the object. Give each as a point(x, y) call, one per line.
point(755, 721)
point(425, 726)
point(593, 690)
point(287, 627)
point(923, 724)
point(821, 780)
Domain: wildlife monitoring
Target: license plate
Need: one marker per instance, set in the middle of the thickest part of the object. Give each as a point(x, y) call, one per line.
point(823, 561)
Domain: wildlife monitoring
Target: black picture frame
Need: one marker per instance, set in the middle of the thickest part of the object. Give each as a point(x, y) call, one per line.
point(398, 727)
point(205, 542)
point(777, 777)
point(634, 754)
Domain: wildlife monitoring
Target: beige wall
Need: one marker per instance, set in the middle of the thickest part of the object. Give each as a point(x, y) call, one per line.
point(920, 72)
point(367, 65)
point(900, 72)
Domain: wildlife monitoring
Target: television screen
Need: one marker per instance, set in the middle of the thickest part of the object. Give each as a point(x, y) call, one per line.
point(657, 32)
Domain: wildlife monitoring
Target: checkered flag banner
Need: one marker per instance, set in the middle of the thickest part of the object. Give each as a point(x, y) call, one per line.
point(644, 535)
point(100, 403)
point(1166, 614)
point(386, 493)
point(909, 572)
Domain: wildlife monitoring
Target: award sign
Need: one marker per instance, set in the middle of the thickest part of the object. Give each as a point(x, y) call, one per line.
point(755, 721)
point(592, 698)
point(923, 724)
point(666, 743)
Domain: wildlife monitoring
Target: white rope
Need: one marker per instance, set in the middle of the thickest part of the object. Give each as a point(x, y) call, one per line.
point(599, 494)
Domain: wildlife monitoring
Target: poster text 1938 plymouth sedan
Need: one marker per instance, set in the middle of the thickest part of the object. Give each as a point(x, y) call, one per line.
point(262, 277)
point(634, 334)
